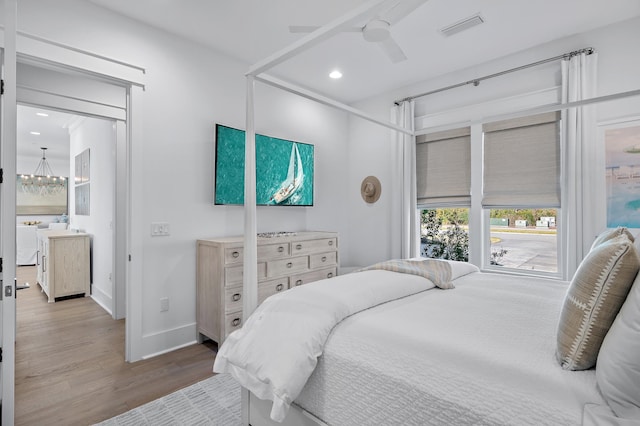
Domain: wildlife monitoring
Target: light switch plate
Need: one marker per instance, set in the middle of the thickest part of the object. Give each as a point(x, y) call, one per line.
point(159, 229)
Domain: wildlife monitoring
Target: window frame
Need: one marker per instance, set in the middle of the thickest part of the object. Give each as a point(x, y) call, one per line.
point(479, 223)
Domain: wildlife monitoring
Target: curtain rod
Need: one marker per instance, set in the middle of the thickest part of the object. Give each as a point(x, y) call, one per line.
point(476, 81)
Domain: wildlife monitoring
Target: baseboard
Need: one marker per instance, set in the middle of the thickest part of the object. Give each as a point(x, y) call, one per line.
point(102, 299)
point(159, 343)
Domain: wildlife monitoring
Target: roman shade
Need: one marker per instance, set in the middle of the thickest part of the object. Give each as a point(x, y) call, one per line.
point(522, 162)
point(443, 168)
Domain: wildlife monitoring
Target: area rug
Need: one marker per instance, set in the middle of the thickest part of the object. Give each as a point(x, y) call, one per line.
point(213, 401)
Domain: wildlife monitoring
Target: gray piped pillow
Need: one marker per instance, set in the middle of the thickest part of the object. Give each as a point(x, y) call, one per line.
point(595, 295)
point(610, 234)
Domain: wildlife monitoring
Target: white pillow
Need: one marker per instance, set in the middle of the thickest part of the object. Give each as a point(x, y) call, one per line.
point(618, 365)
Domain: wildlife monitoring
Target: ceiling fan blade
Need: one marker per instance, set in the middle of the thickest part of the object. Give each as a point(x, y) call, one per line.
point(392, 50)
point(401, 9)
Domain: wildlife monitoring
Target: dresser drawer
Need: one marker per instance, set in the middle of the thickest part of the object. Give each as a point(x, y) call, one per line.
point(321, 260)
point(233, 255)
point(269, 288)
point(233, 274)
point(273, 251)
point(265, 251)
point(233, 299)
point(313, 246)
point(233, 321)
point(276, 268)
point(308, 277)
point(233, 295)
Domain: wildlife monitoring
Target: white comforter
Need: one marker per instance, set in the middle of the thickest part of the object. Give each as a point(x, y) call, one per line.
point(277, 349)
point(480, 354)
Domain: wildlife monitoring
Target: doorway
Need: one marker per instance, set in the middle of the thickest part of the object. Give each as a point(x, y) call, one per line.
point(96, 110)
point(48, 335)
point(100, 87)
point(59, 142)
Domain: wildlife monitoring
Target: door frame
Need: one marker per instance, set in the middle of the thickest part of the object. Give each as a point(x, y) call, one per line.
point(8, 112)
point(128, 264)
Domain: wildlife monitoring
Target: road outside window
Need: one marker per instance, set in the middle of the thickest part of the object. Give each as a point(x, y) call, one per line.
point(524, 239)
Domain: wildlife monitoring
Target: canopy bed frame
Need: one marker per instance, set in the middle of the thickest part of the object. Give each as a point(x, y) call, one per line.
point(254, 410)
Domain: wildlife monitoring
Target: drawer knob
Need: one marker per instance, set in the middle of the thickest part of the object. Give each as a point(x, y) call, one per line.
point(235, 254)
point(330, 242)
point(298, 282)
point(235, 322)
point(324, 258)
point(280, 249)
point(299, 247)
point(279, 287)
point(289, 265)
point(330, 274)
point(236, 297)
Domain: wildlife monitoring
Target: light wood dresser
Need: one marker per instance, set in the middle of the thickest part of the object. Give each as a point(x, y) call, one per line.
point(63, 263)
point(285, 260)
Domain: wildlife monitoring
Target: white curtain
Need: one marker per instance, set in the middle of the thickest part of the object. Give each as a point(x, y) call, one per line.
point(578, 83)
point(408, 227)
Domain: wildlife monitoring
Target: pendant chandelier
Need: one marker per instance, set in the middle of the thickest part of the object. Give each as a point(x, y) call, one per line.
point(42, 181)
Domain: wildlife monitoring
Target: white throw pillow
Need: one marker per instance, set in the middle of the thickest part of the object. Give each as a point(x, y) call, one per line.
point(618, 366)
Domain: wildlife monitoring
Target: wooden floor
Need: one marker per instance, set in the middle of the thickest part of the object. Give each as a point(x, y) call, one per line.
point(70, 367)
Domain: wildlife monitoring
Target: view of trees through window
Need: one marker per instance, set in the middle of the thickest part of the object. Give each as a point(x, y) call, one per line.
point(444, 234)
point(520, 238)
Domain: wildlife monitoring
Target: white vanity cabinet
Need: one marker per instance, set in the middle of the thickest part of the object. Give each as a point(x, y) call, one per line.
point(284, 261)
point(63, 263)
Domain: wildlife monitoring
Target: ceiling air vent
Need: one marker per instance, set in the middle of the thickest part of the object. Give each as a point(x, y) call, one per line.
point(462, 25)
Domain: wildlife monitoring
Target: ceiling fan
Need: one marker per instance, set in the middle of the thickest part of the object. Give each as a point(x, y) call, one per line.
point(378, 29)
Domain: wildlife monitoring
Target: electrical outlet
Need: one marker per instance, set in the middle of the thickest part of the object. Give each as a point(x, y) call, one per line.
point(164, 304)
point(159, 229)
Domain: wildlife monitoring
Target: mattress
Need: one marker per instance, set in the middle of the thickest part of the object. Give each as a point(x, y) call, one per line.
point(482, 354)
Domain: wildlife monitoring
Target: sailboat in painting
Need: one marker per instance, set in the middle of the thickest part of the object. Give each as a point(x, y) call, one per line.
point(294, 180)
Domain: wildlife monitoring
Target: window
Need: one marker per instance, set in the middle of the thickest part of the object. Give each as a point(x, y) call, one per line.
point(524, 239)
point(444, 233)
point(516, 196)
point(443, 166)
point(521, 190)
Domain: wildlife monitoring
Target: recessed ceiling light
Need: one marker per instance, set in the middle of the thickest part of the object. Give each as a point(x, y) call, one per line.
point(335, 74)
point(35, 133)
point(42, 114)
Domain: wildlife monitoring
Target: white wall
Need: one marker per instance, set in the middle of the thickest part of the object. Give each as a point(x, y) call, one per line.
point(99, 137)
point(618, 59)
point(187, 90)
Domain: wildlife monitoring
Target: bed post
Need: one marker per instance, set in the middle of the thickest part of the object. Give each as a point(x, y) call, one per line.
point(250, 271)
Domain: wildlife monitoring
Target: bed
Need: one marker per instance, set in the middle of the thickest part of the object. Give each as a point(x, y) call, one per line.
point(385, 346)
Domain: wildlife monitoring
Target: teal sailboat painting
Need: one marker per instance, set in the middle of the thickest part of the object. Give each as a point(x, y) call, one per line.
point(284, 170)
